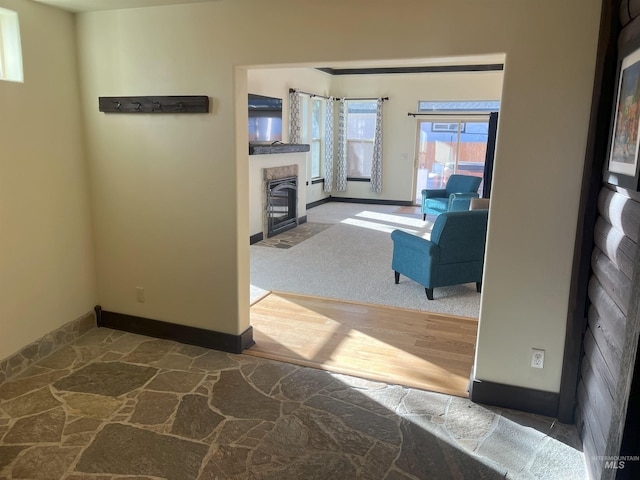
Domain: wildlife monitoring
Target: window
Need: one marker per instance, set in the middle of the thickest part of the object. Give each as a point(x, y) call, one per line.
point(361, 127)
point(443, 152)
point(456, 106)
point(10, 49)
point(446, 127)
point(312, 131)
point(453, 140)
point(317, 128)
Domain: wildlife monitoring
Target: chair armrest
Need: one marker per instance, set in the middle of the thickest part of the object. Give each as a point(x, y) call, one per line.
point(417, 244)
point(434, 193)
point(460, 201)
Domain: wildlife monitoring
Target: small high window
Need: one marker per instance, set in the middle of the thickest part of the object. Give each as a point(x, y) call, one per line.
point(459, 106)
point(10, 49)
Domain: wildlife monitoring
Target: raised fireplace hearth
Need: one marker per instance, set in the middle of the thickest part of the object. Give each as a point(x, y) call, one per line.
point(281, 199)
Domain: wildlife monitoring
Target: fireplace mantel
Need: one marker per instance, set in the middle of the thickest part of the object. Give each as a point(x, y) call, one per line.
point(255, 149)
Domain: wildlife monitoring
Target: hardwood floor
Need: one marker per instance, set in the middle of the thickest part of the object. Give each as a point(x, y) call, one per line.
point(394, 345)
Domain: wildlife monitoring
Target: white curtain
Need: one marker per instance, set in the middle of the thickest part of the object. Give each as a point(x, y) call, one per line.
point(328, 145)
point(376, 164)
point(341, 164)
point(294, 117)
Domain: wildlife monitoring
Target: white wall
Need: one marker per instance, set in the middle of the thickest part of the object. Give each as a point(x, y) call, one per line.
point(47, 274)
point(170, 195)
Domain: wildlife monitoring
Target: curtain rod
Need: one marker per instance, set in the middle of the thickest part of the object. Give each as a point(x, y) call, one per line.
point(450, 114)
point(291, 90)
point(364, 98)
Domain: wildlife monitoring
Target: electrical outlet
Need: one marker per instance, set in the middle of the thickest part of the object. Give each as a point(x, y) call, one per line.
point(537, 358)
point(140, 294)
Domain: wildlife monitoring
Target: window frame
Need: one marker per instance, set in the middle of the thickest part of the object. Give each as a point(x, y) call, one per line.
point(366, 176)
point(322, 109)
point(457, 164)
point(306, 133)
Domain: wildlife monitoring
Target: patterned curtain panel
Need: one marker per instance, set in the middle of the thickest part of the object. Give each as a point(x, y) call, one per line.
point(328, 145)
point(341, 164)
point(376, 164)
point(294, 117)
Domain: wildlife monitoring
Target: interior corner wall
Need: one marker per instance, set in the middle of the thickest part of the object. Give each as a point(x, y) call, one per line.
point(276, 82)
point(47, 274)
point(164, 187)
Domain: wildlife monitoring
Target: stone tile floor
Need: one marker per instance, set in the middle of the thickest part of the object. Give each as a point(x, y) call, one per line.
point(114, 405)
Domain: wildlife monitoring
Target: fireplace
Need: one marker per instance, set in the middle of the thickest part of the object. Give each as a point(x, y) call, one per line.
point(282, 199)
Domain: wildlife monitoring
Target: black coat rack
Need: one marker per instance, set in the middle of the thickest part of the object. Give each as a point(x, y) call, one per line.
point(155, 104)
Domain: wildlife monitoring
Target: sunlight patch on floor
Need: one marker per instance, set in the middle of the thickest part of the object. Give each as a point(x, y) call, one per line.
point(374, 342)
point(375, 226)
point(392, 219)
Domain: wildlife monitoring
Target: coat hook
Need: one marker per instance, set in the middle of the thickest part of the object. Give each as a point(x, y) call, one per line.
point(155, 104)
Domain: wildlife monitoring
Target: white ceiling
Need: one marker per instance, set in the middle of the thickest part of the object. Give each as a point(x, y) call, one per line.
point(97, 5)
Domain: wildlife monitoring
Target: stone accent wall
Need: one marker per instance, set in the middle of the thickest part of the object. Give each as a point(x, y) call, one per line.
point(52, 341)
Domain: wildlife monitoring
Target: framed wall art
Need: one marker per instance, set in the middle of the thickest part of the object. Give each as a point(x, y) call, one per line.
point(622, 166)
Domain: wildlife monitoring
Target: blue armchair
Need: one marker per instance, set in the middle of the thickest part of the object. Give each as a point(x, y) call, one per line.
point(453, 256)
point(456, 195)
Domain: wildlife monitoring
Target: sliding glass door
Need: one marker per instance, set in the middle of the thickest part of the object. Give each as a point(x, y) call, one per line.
point(448, 145)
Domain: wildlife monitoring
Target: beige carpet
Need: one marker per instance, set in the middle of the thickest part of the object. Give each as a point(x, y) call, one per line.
point(351, 260)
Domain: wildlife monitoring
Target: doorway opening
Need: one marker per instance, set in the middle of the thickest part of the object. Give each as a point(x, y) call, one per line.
point(317, 266)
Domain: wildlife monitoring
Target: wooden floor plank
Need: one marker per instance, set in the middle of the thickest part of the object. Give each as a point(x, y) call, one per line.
point(394, 345)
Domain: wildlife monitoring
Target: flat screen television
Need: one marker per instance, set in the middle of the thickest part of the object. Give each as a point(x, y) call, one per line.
point(265, 119)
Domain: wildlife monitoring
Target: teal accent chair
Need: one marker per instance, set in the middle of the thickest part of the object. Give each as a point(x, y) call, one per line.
point(453, 256)
point(455, 197)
